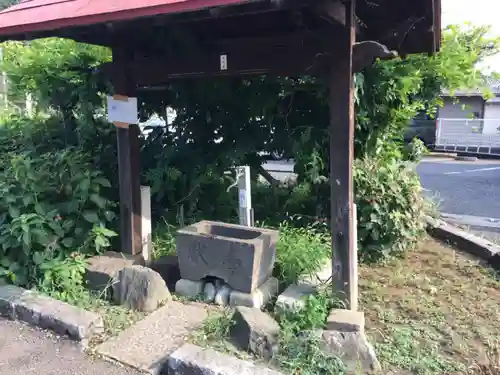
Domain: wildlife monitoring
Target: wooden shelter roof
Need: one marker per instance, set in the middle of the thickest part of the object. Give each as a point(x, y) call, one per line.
point(408, 26)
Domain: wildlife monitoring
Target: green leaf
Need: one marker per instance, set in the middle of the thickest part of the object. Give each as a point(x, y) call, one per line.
point(68, 242)
point(14, 212)
point(56, 227)
point(27, 239)
point(10, 198)
point(101, 242)
point(39, 209)
point(91, 217)
point(102, 181)
point(5, 262)
point(40, 236)
point(107, 233)
point(109, 215)
point(98, 200)
point(85, 185)
point(27, 200)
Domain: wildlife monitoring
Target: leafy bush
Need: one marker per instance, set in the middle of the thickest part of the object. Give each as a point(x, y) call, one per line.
point(52, 205)
point(390, 208)
point(415, 150)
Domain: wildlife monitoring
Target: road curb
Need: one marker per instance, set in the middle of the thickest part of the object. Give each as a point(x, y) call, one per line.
point(465, 158)
point(444, 155)
point(465, 241)
point(48, 313)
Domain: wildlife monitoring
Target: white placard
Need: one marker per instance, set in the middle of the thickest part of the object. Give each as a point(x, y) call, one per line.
point(223, 62)
point(122, 110)
point(243, 198)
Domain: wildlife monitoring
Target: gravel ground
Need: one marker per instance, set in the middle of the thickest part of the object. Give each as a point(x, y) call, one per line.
point(26, 350)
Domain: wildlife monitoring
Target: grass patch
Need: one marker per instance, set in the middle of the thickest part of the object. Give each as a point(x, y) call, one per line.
point(434, 312)
point(115, 318)
point(214, 333)
point(300, 345)
point(300, 251)
point(164, 240)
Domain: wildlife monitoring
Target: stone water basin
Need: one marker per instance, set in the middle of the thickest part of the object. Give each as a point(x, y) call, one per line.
point(241, 256)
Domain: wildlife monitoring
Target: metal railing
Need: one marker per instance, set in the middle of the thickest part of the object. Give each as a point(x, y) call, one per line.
point(478, 136)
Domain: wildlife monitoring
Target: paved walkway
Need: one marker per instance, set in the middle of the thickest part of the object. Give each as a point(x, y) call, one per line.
point(26, 350)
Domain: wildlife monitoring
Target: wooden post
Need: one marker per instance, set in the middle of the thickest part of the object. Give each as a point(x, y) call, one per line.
point(341, 161)
point(129, 171)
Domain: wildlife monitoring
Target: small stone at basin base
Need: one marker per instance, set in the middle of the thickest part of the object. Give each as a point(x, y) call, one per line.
point(258, 298)
point(222, 296)
point(189, 288)
point(209, 292)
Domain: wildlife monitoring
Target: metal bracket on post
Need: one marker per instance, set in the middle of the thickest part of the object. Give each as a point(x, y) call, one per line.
point(245, 196)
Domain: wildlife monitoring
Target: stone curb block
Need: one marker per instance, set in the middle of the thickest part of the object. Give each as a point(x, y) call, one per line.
point(444, 155)
point(48, 313)
point(465, 158)
point(194, 360)
point(465, 241)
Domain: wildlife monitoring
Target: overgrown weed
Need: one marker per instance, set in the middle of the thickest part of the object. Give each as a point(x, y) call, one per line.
point(300, 252)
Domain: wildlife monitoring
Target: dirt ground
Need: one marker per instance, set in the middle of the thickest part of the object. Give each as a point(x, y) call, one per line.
point(435, 312)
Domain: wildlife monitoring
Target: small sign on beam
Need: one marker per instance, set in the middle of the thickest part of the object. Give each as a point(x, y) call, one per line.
point(223, 62)
point(122, 110)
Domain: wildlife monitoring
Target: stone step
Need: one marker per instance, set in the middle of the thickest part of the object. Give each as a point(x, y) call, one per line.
point(147, 344)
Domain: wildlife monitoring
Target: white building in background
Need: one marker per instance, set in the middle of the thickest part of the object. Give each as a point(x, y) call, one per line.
point(469, 122)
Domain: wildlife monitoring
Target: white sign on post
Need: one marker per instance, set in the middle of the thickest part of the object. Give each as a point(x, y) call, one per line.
point(122, 110)
point(243, 198)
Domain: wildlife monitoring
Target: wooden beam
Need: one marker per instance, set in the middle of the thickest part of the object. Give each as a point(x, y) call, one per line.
point(128, 169)
point(334, 11)
point(242, 57)
point(341, 162)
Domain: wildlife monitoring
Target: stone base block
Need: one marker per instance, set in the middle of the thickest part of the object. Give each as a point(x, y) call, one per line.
point(353, 349)
point(102, 269)
point(294, 297)
point(346, 321)
point(258, 298)
point(189, 288)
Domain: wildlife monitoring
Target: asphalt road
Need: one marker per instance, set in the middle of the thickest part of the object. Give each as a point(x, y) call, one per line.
point(463, 188)
point(459, 187)
point(26, 350)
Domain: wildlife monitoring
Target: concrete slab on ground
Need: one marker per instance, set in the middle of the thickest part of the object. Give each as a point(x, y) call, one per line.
point(147, 345)
point(30, 351)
